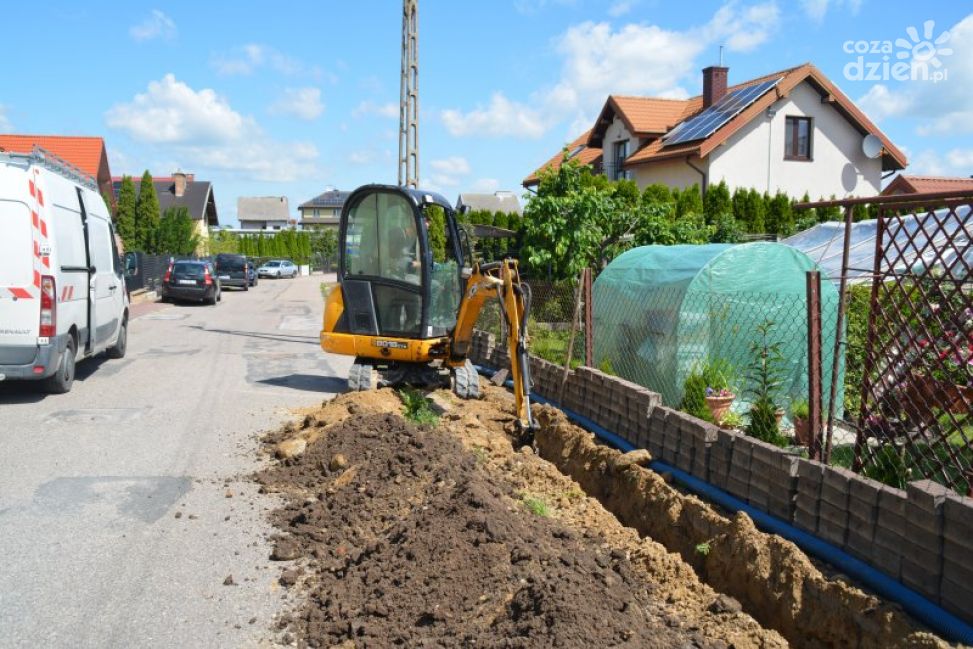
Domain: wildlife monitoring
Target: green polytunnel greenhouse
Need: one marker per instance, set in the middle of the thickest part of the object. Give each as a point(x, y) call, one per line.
point(662, 312)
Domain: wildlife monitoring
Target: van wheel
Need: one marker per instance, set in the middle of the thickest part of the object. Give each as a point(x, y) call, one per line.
point(61, 381)
point(118, 351)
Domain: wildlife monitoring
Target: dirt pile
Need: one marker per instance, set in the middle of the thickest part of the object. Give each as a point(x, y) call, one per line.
point(408, 536)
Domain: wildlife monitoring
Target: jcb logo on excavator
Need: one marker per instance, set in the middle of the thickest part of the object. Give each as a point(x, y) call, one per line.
point(391, 344)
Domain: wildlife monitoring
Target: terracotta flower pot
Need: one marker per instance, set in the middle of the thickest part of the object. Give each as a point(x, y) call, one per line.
point(719, 406)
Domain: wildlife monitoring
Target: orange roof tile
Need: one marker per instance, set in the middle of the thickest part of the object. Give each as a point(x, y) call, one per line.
point(84, 153)
point(903, 184)
point(587, 155)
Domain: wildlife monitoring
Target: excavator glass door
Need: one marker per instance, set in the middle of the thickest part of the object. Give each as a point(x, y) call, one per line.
point(389, 279)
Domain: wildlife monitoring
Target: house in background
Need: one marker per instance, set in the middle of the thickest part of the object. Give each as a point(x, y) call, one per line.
point(263, 213)
point(323, 211)
point(86, 153)
point(792, 131)
point(501, 201)
point(903, 184)
point(183, 190)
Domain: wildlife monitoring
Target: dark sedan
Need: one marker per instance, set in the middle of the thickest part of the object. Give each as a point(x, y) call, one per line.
point(192, 281)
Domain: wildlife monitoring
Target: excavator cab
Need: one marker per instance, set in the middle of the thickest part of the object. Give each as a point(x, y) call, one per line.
point(409, 294)
point(394, 286)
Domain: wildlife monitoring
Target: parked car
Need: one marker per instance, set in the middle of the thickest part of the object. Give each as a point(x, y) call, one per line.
point(252, 272)
point(232, 270)
point(191, 280)
point(62, 283)
point(278, 268)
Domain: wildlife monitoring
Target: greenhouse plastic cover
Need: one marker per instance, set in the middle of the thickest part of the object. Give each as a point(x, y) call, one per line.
point(661, 311)
point(823, 243)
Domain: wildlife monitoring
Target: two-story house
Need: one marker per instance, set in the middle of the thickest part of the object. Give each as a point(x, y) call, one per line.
point(324, 210)
point(792, 131)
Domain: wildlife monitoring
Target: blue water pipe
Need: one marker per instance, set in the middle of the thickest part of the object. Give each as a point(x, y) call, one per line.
point(930, 614)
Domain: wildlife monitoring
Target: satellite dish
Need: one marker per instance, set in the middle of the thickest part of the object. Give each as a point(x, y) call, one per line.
point(872, 146)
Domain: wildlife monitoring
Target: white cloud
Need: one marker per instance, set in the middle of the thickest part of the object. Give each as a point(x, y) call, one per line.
point(171, 111)
point(880, 102)
point(454, 166)
point(303, 103)
point(485, 185)
point(939, 108)
point(955, 162)
point(621, 7)
point(368, 107)
point(501, 118)
point(260, 159)
point(363, 156)
point(201, 130)
point(817, 9)
point(598, 60)
point(155, 25)
point(530, 7)
point(5, 124)
point(253, 56)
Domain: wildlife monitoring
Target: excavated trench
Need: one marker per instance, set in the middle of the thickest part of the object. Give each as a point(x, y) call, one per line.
point(393, 534)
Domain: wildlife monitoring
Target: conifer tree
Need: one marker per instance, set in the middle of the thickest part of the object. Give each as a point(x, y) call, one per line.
point(147, 216)
point(125, 213)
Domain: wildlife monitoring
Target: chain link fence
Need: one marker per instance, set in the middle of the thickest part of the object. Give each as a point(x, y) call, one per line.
point(554, 306)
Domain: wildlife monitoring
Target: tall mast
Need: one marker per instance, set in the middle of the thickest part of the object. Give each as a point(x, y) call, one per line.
point(409, 97)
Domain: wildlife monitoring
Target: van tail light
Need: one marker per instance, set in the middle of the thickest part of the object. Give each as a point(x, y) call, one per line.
point(168, 275)
point(48, 307)
point(207, 278)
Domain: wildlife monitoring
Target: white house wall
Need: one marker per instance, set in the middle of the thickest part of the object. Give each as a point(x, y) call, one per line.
point(675, 173)
point(754, 156)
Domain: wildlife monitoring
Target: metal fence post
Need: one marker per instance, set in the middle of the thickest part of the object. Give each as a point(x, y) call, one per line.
point(589, 324)
point(839, 338)
point(814, 363)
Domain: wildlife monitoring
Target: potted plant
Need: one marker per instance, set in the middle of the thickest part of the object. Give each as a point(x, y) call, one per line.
point(801, 412)
point(718, 375)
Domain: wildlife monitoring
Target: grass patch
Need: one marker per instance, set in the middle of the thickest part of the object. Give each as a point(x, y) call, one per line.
point(480, 454)
point(703, 548)
point(536, 506)
point(417, 408)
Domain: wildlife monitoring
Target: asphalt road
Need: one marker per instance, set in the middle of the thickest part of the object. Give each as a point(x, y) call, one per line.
point(92, 553)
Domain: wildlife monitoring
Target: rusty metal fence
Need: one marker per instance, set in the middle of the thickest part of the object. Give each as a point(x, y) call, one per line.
point(907, 333)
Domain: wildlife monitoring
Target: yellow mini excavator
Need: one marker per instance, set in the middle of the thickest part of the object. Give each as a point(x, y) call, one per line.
point(406, 311)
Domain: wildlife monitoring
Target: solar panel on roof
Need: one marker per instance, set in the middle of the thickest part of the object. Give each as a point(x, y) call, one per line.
point(705, 124)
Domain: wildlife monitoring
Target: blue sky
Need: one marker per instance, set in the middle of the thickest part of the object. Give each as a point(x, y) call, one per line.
point(288, 98)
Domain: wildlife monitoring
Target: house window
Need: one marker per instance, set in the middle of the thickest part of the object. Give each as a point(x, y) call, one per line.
point(797, 142)
point(618, 161)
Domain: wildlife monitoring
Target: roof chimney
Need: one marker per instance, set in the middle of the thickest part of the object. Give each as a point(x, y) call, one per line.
point(714, 84)
point(179, 180)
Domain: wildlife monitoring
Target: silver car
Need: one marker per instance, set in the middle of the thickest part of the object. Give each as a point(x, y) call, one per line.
point(278, 268)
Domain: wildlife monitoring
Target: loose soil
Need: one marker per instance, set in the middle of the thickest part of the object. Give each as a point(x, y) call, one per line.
point(448, 536)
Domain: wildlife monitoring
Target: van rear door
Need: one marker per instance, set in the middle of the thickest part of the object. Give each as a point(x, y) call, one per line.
point(19, 298)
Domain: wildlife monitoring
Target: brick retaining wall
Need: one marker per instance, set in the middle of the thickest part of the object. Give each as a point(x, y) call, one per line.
point(922, 537)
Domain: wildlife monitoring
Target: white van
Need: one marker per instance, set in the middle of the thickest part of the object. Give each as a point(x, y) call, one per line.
point(62, 284)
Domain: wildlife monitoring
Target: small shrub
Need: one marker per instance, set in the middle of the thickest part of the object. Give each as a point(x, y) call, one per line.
point(417, 408)
point(732, 420)
point(694, 397)
point(703, 548)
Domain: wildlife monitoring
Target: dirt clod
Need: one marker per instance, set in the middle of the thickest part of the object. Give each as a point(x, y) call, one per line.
point(229, 581)
point(338, 462)
point(286, 550)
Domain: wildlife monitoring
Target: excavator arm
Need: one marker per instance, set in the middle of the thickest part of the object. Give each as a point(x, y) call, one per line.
point(491, 281)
